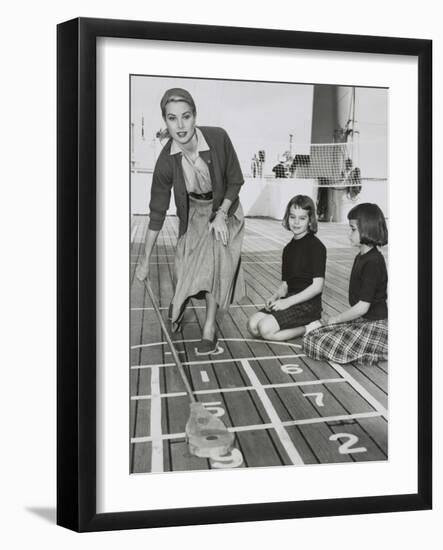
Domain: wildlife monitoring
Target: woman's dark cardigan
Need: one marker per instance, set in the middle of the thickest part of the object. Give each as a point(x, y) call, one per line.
point(226, 177)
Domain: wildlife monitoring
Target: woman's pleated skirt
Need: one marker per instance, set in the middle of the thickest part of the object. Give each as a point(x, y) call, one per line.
point(204, 264)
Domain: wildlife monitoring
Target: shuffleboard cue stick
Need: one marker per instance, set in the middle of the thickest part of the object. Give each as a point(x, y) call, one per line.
point(206, 434)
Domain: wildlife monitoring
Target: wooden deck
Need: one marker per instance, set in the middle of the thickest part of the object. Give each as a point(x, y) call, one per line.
point(283, 407)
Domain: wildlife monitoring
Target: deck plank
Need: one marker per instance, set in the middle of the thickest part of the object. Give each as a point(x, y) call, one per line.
point(182, 460)
point(363, 377)
point(241, 410)
point(141, 461)
point(300, 444)
point(317, 435)
point(261, 258)
point(258, 449)
point(373, 450)
point(377, 429)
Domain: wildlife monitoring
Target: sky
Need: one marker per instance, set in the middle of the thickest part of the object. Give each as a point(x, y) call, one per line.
point(256, 115)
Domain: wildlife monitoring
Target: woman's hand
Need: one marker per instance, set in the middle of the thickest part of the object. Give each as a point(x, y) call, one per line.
point(142, 270)
point(220, 228)
point(280, 304)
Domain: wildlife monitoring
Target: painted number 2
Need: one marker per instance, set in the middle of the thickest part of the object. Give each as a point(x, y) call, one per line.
point(347, 448)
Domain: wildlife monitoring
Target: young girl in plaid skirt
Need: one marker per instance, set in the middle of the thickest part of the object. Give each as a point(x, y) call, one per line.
point(359, 334)
point(297, 300)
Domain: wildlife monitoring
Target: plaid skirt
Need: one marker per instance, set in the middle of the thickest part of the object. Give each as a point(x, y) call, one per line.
point(298, 315)
point(361, 341)
point(202, 264)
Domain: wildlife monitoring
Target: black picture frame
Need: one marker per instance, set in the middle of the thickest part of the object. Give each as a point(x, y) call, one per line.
point(76, 279)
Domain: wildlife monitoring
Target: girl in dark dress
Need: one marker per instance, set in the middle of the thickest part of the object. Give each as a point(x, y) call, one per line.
point(297, 300)
point(360, 333)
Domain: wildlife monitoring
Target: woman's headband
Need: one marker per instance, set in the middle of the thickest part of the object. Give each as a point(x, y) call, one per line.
point(177, 94)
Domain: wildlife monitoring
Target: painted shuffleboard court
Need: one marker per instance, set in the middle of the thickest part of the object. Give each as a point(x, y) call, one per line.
point(283, 407)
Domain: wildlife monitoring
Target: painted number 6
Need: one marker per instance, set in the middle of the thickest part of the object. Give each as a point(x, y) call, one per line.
point(291, 369)
point(346, 447)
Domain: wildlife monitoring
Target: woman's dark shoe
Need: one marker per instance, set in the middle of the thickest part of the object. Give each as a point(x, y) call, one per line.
point(205, 347)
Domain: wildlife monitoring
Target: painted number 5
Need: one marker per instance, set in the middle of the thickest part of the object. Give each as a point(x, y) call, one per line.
point(214, 408)
point(234, 459)
point(346, 448)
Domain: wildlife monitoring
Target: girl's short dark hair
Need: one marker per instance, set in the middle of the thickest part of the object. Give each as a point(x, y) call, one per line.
point(306, 203)
point(371, 223)
point(177, 94)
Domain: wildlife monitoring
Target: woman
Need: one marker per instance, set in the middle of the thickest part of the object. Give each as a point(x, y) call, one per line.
point(201, 165)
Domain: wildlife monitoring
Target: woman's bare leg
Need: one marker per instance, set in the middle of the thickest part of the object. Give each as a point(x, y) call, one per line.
point(270, 330)
point(253, 323)
point(211, 311)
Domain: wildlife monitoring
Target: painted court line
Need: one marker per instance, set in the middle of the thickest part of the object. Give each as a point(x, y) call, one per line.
point(360, 389)
point(283, 435)
point(195, 307)
point(196, 392)
point(204, 376)
point(151, 262)
point(214, 361)
point(287, 423)
point(191, 340)
point(133, 234)
point(156, 426)
point(245, 253)
point(243, 388)
point(158, 255)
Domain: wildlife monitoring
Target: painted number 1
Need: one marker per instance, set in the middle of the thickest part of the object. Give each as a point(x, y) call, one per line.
point(346, 448)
